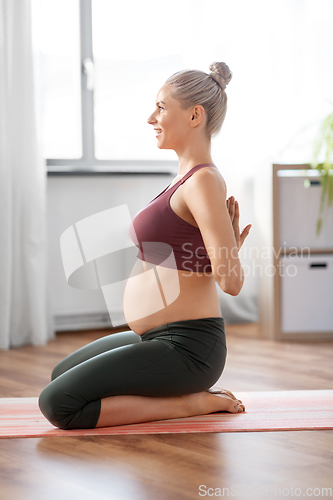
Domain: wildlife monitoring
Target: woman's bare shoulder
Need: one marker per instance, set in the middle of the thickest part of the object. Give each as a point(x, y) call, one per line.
point(205, 178)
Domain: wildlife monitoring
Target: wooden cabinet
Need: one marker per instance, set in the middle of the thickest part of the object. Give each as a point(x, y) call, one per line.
point(296, 285)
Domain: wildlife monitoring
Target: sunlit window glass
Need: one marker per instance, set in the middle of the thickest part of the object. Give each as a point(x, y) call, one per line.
point(134, 53)
point(56, 33)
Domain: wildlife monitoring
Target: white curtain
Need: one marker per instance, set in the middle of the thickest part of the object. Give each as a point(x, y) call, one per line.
point(24, 311)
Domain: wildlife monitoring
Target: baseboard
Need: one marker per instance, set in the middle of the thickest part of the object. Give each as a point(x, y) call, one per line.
point(87, 321)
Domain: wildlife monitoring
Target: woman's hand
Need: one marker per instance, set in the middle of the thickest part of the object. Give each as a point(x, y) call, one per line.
point(233, 209)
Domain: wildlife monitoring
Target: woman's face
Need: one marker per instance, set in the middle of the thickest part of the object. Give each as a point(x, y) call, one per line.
point(171, 123)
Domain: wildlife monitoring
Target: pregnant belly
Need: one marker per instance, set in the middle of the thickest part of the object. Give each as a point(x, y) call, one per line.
point(156, 295)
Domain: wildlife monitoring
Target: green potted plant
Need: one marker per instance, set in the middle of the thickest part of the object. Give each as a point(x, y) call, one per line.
point(323, 145)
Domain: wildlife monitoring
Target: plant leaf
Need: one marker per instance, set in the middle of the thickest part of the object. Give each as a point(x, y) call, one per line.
point(324, 144)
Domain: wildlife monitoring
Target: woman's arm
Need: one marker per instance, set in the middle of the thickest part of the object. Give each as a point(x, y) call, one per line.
point(218, 220)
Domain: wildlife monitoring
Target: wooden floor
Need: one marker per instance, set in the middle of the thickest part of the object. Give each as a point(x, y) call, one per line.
point(174, 467)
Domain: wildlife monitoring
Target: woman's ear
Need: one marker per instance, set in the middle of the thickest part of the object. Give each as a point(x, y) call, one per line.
point(197, 116)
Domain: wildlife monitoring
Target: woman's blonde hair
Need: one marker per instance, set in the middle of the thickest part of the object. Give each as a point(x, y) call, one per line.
point(193, 87)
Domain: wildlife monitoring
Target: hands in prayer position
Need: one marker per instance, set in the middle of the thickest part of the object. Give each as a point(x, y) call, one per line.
point(233, 209)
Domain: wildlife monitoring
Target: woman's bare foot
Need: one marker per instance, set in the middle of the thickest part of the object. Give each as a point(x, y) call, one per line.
point(233, 405)
point(224, 391)
point(203, 403)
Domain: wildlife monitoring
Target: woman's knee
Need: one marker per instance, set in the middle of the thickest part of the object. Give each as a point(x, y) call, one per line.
point(58, 406)
point(50, 405)
point(68, 412)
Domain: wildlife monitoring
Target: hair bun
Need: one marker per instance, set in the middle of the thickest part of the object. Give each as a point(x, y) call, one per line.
point(221, 73)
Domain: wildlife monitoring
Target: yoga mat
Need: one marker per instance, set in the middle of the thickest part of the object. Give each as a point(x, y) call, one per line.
point(265, 411)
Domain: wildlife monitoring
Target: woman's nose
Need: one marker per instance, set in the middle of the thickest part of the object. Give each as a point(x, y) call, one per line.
point(151, 120)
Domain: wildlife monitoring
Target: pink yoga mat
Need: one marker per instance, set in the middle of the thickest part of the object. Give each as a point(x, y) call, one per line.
point(265, 411)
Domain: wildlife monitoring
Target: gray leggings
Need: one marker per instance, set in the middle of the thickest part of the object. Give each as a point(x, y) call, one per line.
point(174, 359)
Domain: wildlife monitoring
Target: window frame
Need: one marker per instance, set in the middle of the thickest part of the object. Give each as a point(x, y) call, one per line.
point(88, 163)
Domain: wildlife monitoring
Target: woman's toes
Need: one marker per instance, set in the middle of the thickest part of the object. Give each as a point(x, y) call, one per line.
point(222, 401)
point(233, 406)
point(239, 407)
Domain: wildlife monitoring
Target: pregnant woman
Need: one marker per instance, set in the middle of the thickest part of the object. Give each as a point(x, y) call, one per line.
point(188, 239)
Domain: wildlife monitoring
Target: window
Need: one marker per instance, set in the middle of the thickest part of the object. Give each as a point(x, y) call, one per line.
point(101, 65)
point(59, 83)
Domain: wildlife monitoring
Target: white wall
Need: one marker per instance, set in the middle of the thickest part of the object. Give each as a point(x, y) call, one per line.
point(70, 199)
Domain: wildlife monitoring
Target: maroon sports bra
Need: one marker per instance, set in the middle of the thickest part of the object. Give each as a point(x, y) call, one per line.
point(160, 234)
